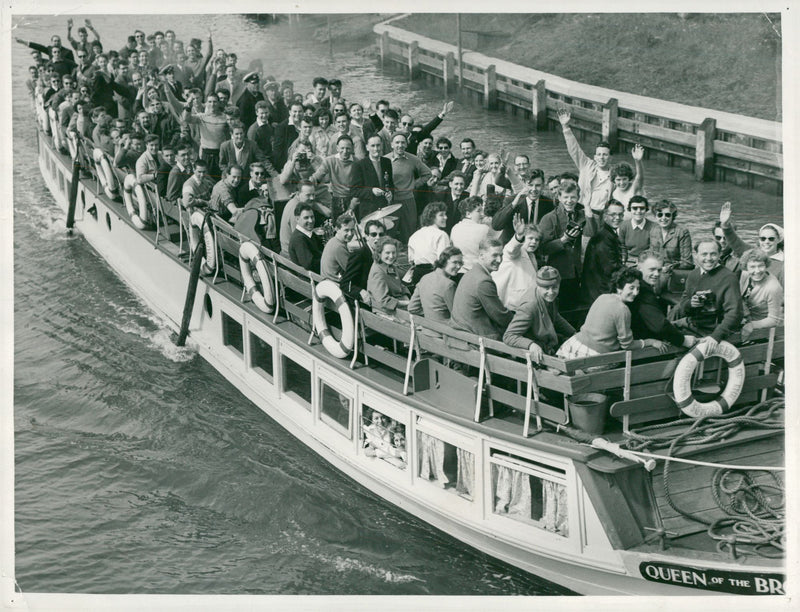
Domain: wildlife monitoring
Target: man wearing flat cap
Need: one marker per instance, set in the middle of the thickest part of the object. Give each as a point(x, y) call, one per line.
point(537, 325)
point(250, 97)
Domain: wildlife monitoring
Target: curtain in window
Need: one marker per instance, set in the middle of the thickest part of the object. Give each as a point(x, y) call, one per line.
point(512, 492)
point(466, 472)
point(431, 458)
point(554, 515)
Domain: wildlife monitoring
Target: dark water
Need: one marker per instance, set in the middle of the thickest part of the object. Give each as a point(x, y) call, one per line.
point(140, 469)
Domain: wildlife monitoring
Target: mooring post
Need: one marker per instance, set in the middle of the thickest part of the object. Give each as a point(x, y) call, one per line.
point(539, 108)
point(384, 49)
point(490, 88)
point(449, 74)
point(413, 60)
point(704, 150)
point(610, 115)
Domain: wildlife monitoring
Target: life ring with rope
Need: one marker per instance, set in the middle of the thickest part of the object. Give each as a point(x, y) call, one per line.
point(136, 211)
point(261, 291)
point(58, 136)
point(200, 220)
point(328, 290)
point(682, 382)
point(104, 173)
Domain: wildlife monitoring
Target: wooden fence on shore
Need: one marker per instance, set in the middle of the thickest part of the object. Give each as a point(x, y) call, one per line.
point(715, 145)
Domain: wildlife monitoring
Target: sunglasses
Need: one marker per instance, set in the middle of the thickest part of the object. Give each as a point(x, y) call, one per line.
point(668, 215)
point(376, 234)
point(718, 237)
point(767, 238)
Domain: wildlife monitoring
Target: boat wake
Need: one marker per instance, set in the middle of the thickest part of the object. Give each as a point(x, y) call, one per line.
point(344, 564)
point(49, 222)
point(160, 338)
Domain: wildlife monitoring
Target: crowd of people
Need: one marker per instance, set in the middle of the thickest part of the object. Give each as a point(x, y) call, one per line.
point(349, 190)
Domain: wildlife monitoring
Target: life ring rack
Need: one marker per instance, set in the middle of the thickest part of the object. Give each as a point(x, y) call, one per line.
point(682, 382)
point(328, 290)
point(260, 292)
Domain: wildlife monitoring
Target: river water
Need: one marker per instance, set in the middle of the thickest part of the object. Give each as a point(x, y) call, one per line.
point(140, 469)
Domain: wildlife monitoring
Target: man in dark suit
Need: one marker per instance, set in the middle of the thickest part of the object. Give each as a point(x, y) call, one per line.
point(164, 168)
point(456, 193)
point(529, 204)
point(305, 247)
point(476, 306)
point(239, 150)
point(356, 273)
point(249, 98)
point(372, 179)
point(445, 160)
point(276, 108)
point(285, 134)
point(466, 165)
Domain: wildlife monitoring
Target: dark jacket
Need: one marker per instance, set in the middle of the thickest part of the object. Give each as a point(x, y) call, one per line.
point(365, 179)
point(477, 307)
point(282, 138)
point(503, 219)
point(722, 312)
point(564, 257)
point(603, 257)
point(304, 251)
point(649, 317)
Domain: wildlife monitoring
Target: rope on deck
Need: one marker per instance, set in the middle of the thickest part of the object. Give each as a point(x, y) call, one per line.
point(755, 512)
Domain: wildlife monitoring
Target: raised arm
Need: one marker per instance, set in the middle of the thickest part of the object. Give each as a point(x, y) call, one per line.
point(737, 245)
point(573, 148)
point(638, 181)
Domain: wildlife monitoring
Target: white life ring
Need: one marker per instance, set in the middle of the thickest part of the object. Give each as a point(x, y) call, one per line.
point(44, 118)
point(104, 174)
point(72, 144)
point(210, 264)
point(264, 296)
point(327, 289)
point(682, 383)
point(138, 214)
point(58, 136)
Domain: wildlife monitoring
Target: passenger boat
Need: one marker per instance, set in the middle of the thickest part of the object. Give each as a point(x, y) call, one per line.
point(488, 453)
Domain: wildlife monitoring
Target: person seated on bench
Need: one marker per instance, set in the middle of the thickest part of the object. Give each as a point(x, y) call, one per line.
point(762, 294)
point(223, 196)
point(770, 240)
point(305, 247)
point(537, 325)
point(336, 251)
point(649, 311)
point(712, 303)
point(386, 291)
point(434, 294)
point(257, 221)
point(608, 324)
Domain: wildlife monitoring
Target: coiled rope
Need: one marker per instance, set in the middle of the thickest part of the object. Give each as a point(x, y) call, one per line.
point(755, 511)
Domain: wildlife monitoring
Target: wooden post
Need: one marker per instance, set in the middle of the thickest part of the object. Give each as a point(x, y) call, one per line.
point(539, 108)
point(704, 150)
point(610, 115)
point(384, 49)
point(448, 73)
point(490, 88)
point(460, 54)
point(413, 60)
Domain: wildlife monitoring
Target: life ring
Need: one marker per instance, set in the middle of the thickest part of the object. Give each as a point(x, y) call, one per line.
point(72, 144)
point(136, 213)
point(682, 383)
point(104, 174)
point(329, 290)
point(198, 219)
point(264, 296)
point(58, 136)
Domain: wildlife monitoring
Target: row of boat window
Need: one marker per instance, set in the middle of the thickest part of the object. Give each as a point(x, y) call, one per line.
point(522, 490)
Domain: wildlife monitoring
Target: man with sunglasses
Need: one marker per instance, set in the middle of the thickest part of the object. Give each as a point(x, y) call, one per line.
point(356, 273)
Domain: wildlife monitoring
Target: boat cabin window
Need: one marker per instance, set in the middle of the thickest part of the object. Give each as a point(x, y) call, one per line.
point(297, 381)
point(232, 334)
point(261, 357)
point(445, 465)
point(383, 437)
point(529, 492)
point(335, 408)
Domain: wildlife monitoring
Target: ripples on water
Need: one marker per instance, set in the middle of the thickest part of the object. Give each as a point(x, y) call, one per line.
point(140, 469)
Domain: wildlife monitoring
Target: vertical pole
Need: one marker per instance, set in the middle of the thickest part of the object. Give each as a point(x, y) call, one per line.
point(448, 72)
point(384, 49)
point(413, 60)
point(490, 88)
point(460, 55)
point(704, 150)
point(609, 129)
point(539, 108)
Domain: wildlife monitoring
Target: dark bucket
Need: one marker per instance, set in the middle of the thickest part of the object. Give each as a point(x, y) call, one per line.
point(588, 412)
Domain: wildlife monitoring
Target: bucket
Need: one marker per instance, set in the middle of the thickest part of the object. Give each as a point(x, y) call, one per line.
point(588, 412)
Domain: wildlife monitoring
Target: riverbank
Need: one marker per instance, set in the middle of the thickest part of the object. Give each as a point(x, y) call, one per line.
point(657, 55)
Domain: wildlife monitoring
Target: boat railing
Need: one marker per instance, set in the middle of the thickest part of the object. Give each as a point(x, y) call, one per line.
point(476, 378)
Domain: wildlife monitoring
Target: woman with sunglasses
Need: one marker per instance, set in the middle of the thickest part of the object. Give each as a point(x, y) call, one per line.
point(770, 240)
point(672, 241)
